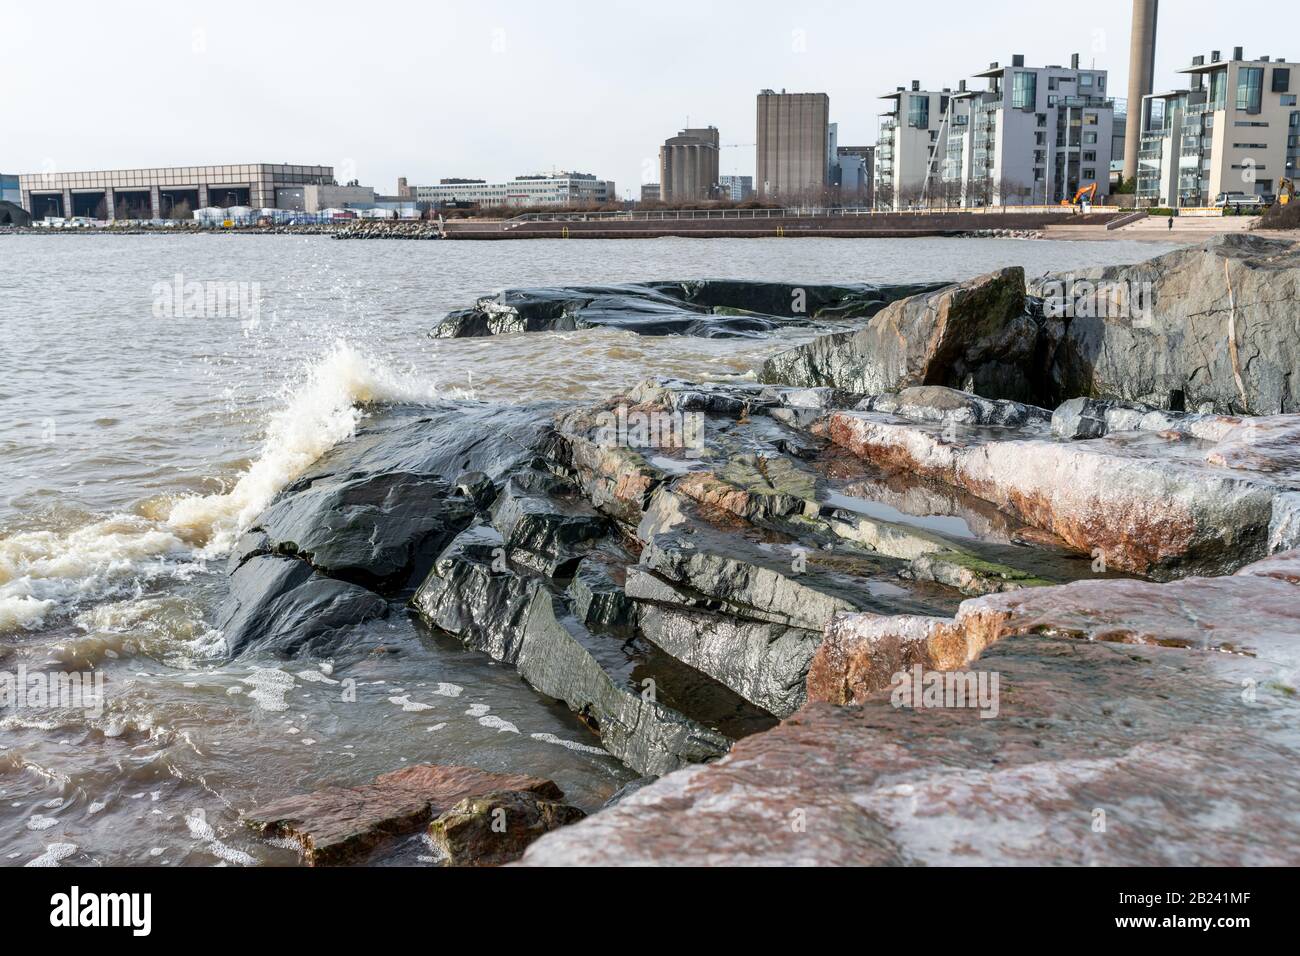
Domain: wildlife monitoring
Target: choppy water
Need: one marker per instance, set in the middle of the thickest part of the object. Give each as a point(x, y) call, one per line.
point(135, 443)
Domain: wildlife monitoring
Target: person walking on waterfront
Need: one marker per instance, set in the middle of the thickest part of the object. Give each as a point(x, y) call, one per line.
point(1171, 222)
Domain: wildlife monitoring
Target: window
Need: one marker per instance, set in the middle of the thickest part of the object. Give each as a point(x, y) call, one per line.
point(1085, 79)
point(1089, 155)
point(1090, 138)
point(1218, 89)
point(1281, 79)
point(1250, 88)
point(1288, 99)
point(918, 112)
point(1024, 90)
point(1042, 119)
point(1089, 173)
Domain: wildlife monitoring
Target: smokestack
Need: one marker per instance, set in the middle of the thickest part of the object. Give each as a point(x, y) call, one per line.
point(1141, 75)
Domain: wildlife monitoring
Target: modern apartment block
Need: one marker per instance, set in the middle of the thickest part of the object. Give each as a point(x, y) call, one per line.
point(736, 188)
point(163, 193)
point(547, 189)
point(650, 192)
point(688, 165)
point(1035, 135)
point(793, 145)
point(854, 173)
point(1235, 129)
point(910, 146)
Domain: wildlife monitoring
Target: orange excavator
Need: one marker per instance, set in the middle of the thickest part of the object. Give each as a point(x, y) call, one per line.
point(1089, 190)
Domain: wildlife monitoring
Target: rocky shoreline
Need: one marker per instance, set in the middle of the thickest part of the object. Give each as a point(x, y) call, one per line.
point(1095, 512)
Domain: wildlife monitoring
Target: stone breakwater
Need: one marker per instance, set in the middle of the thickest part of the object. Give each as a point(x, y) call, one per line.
point(732, 585)
point(379, 229)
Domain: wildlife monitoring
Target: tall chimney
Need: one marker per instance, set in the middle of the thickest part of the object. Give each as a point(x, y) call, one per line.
point(1141, 75)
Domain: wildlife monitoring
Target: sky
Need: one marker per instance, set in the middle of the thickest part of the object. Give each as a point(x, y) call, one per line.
point(491, 89)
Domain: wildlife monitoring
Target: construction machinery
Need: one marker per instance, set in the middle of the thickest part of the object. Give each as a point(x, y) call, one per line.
point(1285, 191)
point(1089, 190)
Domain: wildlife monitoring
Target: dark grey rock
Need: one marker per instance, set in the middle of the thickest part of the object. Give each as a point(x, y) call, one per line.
point(597, 593)
point(379, 530)
point(280, 605)
point(546, 523)
point(978, 335)
point(707, 307)
point(1164, 339)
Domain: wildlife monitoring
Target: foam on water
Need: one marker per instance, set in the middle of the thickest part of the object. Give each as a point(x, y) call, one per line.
point(318, 415)
point(42, 572)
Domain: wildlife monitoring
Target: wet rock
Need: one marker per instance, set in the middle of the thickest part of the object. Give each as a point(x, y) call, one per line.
point(1252, 614)
point(846, 301)
point(616, 479)
point(1153, 503)
point(473, 594)
point(761, 578)
point(767, 664)
point(597, 594)
point(709, 308)
point(478, 488)
point(366, 521)
point(596, 678)
point(1165, 331)
point(1101, 752)
point(283, 606)
point(499, 609)
point(976, 335)
point(545, 523)
point(338, 825)
point(932, 403)
point(380, 530)
point(496, 828)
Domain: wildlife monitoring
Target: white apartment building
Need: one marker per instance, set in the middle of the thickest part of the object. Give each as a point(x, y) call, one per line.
point(910, 146)
point(1236, 129)
point(547, 189)
point(1036, 135)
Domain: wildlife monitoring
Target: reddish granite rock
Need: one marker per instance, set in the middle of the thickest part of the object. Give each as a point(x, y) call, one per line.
point(338, 824)
point(1176, 752)
point(1255, 613)
point(1164, 504)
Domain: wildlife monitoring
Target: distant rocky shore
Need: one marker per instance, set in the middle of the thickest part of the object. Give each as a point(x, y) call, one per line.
point(1076, 496)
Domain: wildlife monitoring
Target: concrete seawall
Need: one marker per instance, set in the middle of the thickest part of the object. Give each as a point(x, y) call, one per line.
point(837, 227)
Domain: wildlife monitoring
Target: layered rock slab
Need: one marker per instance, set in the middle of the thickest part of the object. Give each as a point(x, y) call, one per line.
point(1164, 503)
point(1101, 753)
point(338, 825)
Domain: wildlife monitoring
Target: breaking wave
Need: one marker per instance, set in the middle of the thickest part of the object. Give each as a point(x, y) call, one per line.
point(43, 572)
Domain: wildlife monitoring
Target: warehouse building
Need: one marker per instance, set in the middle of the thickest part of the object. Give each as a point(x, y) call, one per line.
point(165, 193)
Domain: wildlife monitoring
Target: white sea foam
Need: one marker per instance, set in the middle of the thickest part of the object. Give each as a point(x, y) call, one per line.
point(270, 686)
point(53, 854)
point(319, 414)
point(44, 571)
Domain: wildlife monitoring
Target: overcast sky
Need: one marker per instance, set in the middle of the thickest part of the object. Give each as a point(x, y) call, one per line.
point(490, 89)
